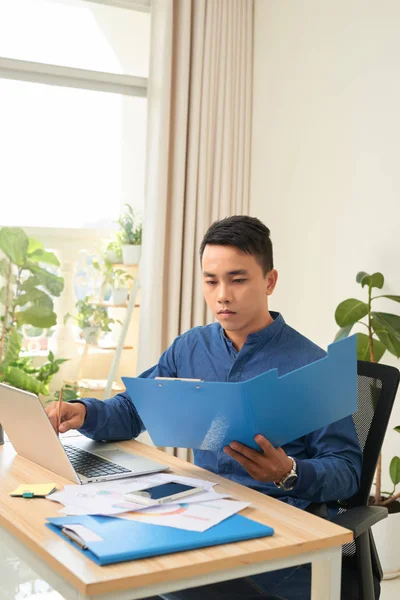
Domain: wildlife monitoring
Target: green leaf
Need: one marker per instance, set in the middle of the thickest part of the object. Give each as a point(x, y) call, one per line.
point(29, 283)
point(34, 245)
point(360, 276)
point(35, 297)
point(13, 346)
point(343, 333)
point(391, 342)
point(389, 322)
point(397, 428)
point(14, 243)
point(38, 316)
point(51, 282)
point(391, 297)
point(363, 348)
point(4, 267)
point(377, 280)
point(23, 381)
point(394, 470)
point(42, 256)
point(350, 311)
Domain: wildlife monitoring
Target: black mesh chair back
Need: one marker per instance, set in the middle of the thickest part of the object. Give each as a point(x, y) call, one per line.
point(377, 387)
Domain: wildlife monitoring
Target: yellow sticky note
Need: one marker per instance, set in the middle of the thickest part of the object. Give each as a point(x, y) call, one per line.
point(37, 489)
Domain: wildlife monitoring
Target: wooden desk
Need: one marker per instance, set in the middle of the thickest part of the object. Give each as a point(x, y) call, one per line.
point(299, 538)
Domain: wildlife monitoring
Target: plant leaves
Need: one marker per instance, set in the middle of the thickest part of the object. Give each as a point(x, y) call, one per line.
point(34, 245)
point(23, 381)
point(38, 316)
point(13, 346)
point(363, 348)
point(42, 256)
point(389, 322)
point(377, 280)
point(397, 428)
point(4, 267)
point(14, 243)
point(350, 311)
point(391, 297)
point(35, 297)
point(51, 282)
point(394, 470)
point(360, 276)
point(343, 333)
point(391, 342)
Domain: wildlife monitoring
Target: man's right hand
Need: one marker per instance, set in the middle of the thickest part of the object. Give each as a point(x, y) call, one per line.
point(73, 415)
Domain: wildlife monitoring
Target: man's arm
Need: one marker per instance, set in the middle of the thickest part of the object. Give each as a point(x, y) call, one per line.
point(333, 471)
point(117, 418)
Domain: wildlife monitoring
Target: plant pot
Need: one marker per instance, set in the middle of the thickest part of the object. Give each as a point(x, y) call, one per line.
point(386, 535)
point(120, 296)
point(131, 254)
point(91, 335)
point(1, 435)
point(112, 257)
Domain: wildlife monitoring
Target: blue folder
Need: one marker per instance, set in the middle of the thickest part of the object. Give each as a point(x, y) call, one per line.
point(209, 415)
point(124, 540)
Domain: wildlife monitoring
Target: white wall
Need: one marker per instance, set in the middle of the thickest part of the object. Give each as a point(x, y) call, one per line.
point(325, 156)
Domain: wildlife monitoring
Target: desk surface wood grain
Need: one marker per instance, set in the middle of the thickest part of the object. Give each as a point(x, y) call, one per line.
point(295, 530)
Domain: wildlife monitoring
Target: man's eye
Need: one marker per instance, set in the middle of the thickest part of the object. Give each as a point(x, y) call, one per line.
point(211, 282)
point(239, 280)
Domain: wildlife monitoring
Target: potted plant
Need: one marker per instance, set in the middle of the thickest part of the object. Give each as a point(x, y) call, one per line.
point(383, 333)
point(92, 320)
point(113, 251)
point(28, 285)
point(120, 289)
point(130, 235)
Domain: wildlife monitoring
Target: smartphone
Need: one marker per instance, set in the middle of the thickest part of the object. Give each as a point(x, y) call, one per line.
point(163, 493)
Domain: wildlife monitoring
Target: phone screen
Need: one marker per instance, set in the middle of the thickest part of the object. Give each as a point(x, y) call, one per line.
point(165, 489)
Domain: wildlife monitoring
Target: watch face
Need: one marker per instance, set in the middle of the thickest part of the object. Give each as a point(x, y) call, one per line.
point(290, 482)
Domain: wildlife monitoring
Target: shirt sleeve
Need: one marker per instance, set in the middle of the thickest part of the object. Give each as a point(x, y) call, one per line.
point(117, 418)
point(333, 471)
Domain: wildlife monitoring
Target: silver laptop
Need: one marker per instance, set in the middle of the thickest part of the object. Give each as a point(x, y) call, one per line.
point(78, 459)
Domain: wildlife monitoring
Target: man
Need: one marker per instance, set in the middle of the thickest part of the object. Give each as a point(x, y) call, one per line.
point(246, 340)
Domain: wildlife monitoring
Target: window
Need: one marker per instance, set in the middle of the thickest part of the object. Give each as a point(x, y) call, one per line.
point(72, 149)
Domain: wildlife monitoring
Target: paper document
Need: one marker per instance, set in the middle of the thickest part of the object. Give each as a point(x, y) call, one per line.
point(107, 497)
point(192, 517)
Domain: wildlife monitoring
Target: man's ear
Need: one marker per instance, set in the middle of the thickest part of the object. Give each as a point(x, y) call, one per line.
point(271, 279)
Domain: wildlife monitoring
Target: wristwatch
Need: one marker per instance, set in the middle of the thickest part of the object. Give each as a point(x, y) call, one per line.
point(288, 482)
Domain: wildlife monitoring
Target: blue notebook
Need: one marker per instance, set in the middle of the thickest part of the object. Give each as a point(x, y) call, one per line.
point(209, 415)
point(123, 540)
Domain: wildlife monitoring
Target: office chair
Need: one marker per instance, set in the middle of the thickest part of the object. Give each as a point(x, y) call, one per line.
point(377, 387)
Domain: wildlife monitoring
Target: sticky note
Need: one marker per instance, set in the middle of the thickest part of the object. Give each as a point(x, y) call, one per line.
point(31, 490)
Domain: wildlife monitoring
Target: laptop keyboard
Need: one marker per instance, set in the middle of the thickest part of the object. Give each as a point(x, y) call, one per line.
point(90, 465)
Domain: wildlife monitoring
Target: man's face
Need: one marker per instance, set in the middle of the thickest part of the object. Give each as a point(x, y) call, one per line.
point(236, 289)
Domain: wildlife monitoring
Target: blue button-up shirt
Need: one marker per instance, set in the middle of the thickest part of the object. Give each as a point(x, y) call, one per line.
point(329, 460)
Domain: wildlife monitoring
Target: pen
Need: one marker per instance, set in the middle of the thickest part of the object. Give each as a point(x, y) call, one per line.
point(74, 537)
point(59, 411)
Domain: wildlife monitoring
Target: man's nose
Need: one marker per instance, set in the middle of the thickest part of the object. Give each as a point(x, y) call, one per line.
point(223, 294)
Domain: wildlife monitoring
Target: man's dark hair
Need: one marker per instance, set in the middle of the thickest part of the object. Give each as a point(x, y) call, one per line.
point(246, 233)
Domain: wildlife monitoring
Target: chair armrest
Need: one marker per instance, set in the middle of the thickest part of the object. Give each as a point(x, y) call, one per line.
point(360, 518)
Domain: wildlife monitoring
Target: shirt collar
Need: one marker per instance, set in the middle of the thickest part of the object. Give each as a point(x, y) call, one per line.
point(264, 334)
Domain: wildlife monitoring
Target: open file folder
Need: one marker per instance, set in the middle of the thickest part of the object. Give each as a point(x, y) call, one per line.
point(209, 415)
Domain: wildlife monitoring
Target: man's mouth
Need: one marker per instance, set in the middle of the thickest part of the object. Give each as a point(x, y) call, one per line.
point(226, 312)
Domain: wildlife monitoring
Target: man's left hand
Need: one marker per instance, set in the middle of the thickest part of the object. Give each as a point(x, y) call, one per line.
point(272, 464)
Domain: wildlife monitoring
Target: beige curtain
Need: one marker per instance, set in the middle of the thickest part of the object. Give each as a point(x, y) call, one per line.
point(198, 161)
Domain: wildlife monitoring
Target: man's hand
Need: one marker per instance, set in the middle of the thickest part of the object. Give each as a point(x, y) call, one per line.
point(72, 415)
point(272, 464)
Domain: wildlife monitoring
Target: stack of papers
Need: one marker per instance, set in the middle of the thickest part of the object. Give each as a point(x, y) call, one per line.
point(195, 513)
